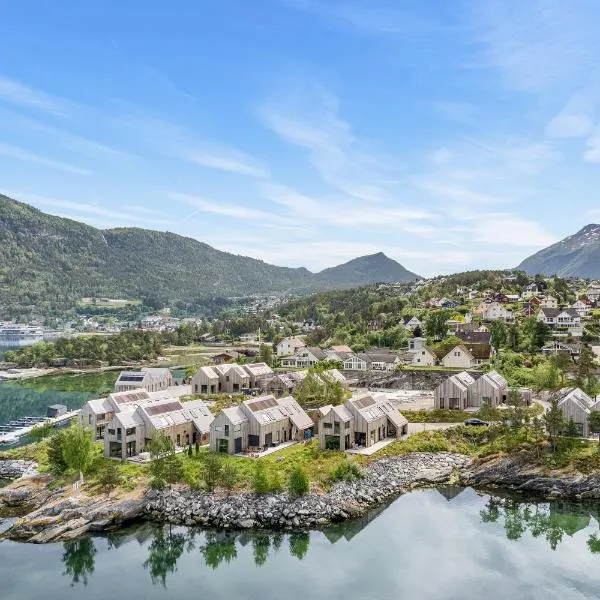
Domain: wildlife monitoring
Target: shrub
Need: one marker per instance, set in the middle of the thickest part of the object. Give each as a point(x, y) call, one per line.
point(55, 453)
point(298, 484)
point(260, 478)
point(229, 476)
point(347, 471)
point(109, 476)
point(212, 471)
point(157, 483)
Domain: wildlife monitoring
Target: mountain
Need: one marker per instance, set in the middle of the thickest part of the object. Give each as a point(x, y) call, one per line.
point(576, 256)
point(366, 269)
point(49, 262)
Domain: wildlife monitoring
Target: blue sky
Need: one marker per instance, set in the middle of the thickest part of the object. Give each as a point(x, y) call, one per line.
point(450, 135)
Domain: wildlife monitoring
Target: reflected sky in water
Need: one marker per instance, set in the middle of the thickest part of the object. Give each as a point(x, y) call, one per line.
point(439, 544)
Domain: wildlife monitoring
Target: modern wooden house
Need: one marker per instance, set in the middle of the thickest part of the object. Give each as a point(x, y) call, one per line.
point(361, 422)
point(260, 374)
point(575, 404)
point(491, 388)
point(152, 380)
point(454, 392)
point(205, 381)
point(128, 432)
point(258, 424)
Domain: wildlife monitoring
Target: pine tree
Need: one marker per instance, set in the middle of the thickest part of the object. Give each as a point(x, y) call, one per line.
point(594, 424)
point(554, 422)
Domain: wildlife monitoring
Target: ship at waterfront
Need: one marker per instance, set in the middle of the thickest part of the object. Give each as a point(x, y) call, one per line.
point(14, 335)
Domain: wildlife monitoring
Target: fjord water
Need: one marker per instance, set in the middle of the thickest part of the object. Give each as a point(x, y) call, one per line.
point(429, 544)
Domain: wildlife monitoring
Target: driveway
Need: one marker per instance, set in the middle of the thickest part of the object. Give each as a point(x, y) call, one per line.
point(418, 427)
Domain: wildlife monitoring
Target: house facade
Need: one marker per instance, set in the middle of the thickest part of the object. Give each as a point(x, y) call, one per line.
point(221, 379)
point(288, 346)
point(361, 422)
point(576, 405)
point(259, 423)
point(556, 318)
point(491, 389)
point(454, 392)
point(149, 379)
point(459, 358)
point(495, 311)
point(355, 363)
point(129, 431)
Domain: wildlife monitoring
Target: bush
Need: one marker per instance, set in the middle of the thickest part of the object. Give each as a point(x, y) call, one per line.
point(55, 453)
point(157, 483)
point(212, 471)
point(347, 471)
point(298, 484)
point(109, 476)
point(229, 476)
point(260, 478)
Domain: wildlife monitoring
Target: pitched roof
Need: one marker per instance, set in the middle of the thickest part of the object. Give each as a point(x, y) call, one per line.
point(295, 413)
point(341, 348)
point(575, 395)
point(208, 372)
point(318, 353)
point(480, 351)
point(475, 337)
point(374, 406)
point(462, 347)
point(555, 312)
point(235, 414)
point(258, 369)
point(494, 379)
point(293, 341)
point(197, 412)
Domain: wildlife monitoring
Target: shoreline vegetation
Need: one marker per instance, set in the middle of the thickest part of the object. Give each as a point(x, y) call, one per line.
point(199, 487)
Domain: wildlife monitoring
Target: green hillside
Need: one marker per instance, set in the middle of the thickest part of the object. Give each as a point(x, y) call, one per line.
point(47, 263)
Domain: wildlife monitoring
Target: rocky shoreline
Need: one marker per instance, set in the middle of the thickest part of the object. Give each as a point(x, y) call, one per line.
point(516, 473)
point(14, 469)
point(50, 515)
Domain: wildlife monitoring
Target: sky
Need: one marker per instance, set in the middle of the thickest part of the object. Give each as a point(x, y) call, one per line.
point(449, 135)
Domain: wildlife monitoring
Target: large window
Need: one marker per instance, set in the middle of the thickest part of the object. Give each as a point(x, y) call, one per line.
point(130, 431)
point(226, 430)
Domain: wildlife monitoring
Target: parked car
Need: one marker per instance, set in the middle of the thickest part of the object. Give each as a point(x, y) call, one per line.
point(476, 423)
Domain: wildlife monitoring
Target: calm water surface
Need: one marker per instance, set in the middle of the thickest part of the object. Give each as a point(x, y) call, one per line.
point(430, 544)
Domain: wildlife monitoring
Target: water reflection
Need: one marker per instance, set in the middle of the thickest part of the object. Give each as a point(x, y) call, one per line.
point(548, 520)
point(164, 546)
point(78, 559)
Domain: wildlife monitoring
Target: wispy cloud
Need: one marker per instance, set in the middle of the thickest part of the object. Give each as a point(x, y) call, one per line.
point(537, 44)
point(15, 92)
point(230, 161)
point(307, 116)
point(19, 154)
point(85, 208)
point(232, 211)
point(373, 17)
point(576, 118)
point(592, 152)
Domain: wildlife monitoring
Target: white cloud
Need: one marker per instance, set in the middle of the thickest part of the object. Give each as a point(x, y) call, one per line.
point(232, 211)
point(576, 119)
point(308, 117)
point(514, 229)
point(592, 152)
point(230, 161)
point(14, 92)
point(538, 44)
point(86, 208)
point(24, 155)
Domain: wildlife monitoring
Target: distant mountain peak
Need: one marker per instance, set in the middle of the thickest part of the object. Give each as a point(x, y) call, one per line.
point(577, 255)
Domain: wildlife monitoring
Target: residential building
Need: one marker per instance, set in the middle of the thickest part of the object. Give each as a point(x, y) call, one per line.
point(424, 357)
point(259, 423)
point(412, 323)
point(565, 318)
point(454, 392)
point(308, 357)
point(593, 292)
point(556, 347)
point(575, 404)
point(260, 374)
point(221, 379)
point(380, 360)
point(355, 363)
point(549, 302)
point(151, 380)
point(281, 385)
point(497, 312)
point(583, 307)
point(226, 357)
point(341, 349)
point(289, 346)
point(361, 422)
point(128, 432)
point(491, 388)
point(459, 358)
point(416, 343)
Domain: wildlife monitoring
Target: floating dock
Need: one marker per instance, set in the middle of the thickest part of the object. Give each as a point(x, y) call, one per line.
point(11, 433)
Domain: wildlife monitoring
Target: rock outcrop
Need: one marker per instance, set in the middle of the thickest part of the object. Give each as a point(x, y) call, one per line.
point(13, 469)
point(518, 473)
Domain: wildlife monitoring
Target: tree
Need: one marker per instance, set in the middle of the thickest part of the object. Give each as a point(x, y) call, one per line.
point(55, 453)
point(212, 471)
point(517, 408)
point(571, 432)
point(435, 323)
point(219, 547)
point(266, 354)
point(538, 433)
point(260, 478)
point(229, 476)
point(173, 468)
point(160, 446)
point(298, 483)
point(78, 449)
point(163, 554)
point(554, 421)
point(110, 476)
point(594, 424)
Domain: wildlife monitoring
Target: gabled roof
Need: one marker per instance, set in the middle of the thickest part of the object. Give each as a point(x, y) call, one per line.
point(341, 348)
point(197, 412)
point(295, 413)
point(374, 406)
point(235, 415)
point(459, 347)
point(318, 353)
point(575, 395)
point(293, 341)
point(208, 372)
point(475, 337)
point(258, 369)
point(555, 312)
point(231, 368)
point(378, 357)
point(494, 379)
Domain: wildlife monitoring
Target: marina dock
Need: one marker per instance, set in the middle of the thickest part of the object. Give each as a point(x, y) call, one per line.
point(11, 433)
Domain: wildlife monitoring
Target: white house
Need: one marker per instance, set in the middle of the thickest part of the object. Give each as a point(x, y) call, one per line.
point(423, 357)
point(593, 292)
point(355, 363)
point(583, 308)
point(412, 323)
point(459, 358)
point(308, 357)
point(289, 345)
point(494, 311)
point(549, 302)
point(567, 318)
